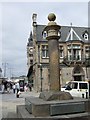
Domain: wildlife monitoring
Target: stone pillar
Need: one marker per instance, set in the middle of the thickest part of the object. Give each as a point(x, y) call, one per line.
point(52, 30)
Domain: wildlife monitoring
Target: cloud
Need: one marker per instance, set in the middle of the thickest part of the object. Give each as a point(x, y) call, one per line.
point(0, 36)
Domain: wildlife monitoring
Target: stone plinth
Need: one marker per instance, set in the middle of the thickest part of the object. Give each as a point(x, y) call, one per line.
point(50, 95)
point(39, 107)
point(23, 114)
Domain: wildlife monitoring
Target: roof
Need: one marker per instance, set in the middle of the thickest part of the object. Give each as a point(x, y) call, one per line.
point(30, 71)
point(65, 30)
point(39, 31)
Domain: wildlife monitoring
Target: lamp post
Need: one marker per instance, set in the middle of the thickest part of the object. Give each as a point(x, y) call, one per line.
point(41, 75)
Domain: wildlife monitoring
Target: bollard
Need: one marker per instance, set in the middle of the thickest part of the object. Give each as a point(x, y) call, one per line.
point(86, 95)
point(83, 95)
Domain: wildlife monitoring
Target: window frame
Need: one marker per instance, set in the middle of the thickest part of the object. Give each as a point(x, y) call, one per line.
point(44, 51)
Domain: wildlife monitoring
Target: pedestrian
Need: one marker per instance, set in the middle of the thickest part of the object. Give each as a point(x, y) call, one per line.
point(17, 94)
point(8, 87)
point(14, 88)
point(25, 88)
point(3, 88)
point(30, 87)
point(17, 87)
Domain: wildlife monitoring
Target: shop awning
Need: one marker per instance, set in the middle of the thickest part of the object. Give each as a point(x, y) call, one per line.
point(30, 71)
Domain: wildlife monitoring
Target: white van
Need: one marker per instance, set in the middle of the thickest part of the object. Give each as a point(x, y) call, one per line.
point(77, 88)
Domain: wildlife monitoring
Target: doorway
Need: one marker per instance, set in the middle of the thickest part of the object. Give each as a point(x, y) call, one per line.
point(78, 78)
point(78, 73)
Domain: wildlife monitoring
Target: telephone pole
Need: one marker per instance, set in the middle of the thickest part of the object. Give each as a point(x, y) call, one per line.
point(5, 68)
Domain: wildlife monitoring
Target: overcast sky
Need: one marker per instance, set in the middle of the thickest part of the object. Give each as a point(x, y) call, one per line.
point(16, 22)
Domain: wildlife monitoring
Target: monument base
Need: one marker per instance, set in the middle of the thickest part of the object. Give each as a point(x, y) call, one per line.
point(54, 105)
point(56, 95)
point(23, 114)
point(39, 107)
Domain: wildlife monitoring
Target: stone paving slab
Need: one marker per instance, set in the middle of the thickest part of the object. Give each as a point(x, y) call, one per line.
point(12, 115)
point(8, 103)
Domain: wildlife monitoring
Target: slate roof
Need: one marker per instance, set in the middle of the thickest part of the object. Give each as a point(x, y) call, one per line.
point(30, 40)
point(39, 30)
point(64, 32)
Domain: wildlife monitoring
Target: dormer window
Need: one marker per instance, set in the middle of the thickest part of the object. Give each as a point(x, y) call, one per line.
point(85, 35)
point(44, 34)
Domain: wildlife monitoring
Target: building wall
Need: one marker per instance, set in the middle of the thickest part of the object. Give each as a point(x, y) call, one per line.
point(66, 70)
point(66, 75)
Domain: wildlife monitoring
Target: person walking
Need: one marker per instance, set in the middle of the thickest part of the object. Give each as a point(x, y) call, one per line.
point(8, 87)
point(14, 88)
point(17, 87)
point(25, 88)
point(18, 90)
point(3, 88)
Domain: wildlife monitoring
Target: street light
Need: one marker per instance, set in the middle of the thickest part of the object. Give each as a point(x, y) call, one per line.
point(40, 65)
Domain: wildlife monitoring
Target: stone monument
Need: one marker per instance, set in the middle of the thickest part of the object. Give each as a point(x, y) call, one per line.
point(54, 104)
point(52, 30)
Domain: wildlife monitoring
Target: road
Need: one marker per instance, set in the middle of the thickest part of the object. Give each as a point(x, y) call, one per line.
point(9, 101)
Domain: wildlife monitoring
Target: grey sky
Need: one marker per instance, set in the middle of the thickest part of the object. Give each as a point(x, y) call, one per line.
point(17, 24)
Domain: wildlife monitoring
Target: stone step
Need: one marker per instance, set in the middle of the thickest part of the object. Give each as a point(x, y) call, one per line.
point(23, 113)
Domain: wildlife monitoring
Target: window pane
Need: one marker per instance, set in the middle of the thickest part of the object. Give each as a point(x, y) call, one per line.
point(43, 46)
point(43, 53)
point(47, 54)
point(61, 53)
point(74, 85)
point(83, 85)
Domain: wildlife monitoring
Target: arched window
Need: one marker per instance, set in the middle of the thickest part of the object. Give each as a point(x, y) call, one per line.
point(78, 73)
point(77, 69)
point(44, 34)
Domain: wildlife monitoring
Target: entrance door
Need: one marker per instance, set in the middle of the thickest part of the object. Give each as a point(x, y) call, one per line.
point(77, 78)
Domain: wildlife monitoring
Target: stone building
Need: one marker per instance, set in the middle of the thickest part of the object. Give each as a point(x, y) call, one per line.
point(0, 72)
point(74, 47)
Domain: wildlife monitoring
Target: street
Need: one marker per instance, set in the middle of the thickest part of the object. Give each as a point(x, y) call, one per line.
point(8, 103)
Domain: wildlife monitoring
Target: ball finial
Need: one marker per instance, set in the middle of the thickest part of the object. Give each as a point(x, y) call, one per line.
point(51, 17)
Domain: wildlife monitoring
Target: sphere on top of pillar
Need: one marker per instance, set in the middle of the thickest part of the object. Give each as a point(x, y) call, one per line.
point(52, 29)
point(51, 17)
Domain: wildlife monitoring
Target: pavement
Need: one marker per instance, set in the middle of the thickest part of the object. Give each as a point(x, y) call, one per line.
point(9, 101)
